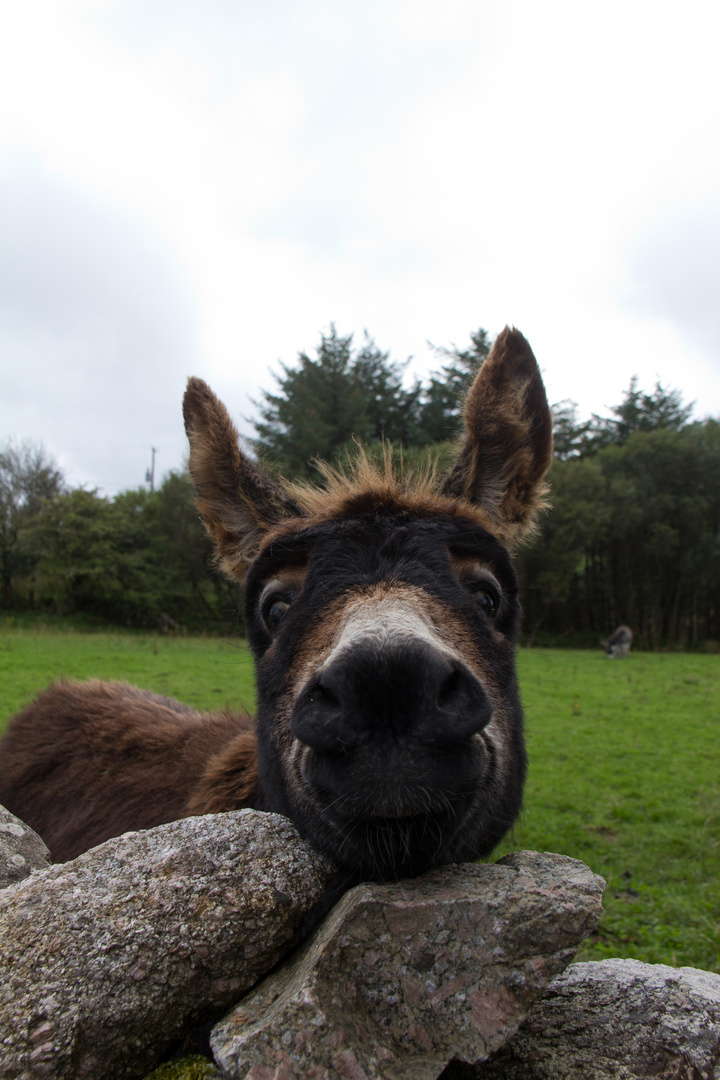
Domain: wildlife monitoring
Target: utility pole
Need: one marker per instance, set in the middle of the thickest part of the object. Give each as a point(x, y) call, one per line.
point(150, 473)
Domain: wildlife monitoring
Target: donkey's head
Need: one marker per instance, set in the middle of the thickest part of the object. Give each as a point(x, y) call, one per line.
point(383, 612)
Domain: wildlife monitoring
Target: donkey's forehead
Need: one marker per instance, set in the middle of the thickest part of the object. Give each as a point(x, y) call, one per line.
point(395, 531)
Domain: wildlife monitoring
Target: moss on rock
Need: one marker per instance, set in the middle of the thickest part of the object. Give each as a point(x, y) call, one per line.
point(188, 1068)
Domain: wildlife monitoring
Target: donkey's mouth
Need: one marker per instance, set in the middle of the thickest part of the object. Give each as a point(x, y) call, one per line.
point(399, 784)
point(382, 812)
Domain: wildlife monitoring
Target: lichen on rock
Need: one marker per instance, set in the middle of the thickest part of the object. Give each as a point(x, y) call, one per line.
point(401, 978)
point(21, 850)
point(187, 1068)
point(108, 959)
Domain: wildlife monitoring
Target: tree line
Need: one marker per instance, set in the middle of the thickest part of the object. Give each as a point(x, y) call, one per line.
point(634, 534)
point(634, 538)
point(140, 559)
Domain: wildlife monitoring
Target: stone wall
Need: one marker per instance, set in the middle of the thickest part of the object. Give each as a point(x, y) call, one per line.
point(107, 961)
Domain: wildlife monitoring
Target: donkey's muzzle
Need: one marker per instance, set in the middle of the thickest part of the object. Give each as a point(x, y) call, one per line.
point(392, 759)
point(406, 696)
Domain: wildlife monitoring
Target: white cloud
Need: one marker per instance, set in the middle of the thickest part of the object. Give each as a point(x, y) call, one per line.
point(410, 169)
point(95, 329)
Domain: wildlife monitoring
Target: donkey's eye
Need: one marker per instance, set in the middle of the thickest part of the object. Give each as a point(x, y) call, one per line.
point(273, 612)
point(488, 601)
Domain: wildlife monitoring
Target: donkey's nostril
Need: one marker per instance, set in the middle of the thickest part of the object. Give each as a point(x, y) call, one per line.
point(463, 707)
point(323, 691)
point(450, 688)
point(319, 719)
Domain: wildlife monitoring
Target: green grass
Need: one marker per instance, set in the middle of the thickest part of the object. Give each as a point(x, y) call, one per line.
point(208, 673)
point(625, 775)
point(624, 764)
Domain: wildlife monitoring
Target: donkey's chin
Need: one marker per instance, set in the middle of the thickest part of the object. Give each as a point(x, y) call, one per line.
point(390, 848)
point(388, 836)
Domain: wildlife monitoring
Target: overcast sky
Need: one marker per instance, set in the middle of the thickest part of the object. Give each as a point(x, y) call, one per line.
point(201, 188)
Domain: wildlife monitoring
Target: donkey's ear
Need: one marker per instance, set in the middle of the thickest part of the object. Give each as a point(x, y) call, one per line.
point(508, 441)
point(238, 502)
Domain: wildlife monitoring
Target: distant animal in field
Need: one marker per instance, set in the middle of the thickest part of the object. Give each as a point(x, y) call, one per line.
point(382, 612)
point(617, 646)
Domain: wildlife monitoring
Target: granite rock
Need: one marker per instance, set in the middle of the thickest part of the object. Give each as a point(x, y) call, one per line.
point(615, 1020)
point(401, 978)
point(21, 850)
point(106, 959)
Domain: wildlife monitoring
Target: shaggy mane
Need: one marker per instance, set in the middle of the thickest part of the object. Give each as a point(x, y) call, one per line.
point(414, 489)
point(360, 474)
point(387, 481)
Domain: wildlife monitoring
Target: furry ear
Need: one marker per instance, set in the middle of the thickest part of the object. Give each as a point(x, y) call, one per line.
point(238, 502)
point(508, 441)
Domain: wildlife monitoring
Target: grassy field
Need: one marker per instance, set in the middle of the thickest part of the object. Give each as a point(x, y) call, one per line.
point(625, 775)
point(207, 672)
point(624, 765)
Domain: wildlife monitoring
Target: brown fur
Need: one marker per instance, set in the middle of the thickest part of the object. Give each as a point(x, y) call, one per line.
point(78, 743)
point(237, 501)
point(88, 761)
point(229, 780)
point(508, 441)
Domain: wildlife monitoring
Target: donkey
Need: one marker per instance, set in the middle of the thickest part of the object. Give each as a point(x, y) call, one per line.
point(618, 644)
point(382, 611)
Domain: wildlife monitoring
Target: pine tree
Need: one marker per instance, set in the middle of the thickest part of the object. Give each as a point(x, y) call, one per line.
point(326, 401)
point(441, 410)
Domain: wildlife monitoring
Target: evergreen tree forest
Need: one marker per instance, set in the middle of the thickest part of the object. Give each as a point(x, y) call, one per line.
point(342, 395)
point(633, 536)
